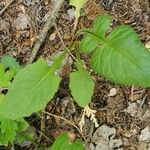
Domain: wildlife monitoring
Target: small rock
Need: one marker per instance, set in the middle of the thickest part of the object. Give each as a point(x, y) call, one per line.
point(22, 22)
point(115, 144)
point(104, 132)
point(104, 138)
point(102, 146)
point(112, 92)
point(145, 135)
point(132, 109)
point(147, 45)
point(71, 13)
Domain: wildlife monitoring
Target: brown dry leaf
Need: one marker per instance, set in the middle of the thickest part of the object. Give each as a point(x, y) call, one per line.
point(93, 10)
point(52, 36)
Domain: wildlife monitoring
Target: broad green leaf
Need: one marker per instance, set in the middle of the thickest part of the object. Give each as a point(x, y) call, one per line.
point(22, 124)
point(10, 62)
point(88, 44)
point(5, 77)
point(121, 57)
point(77, 145)
point(82, 87)
point(8, 130)
point(32, 88)
point(102, 24)
point(96, 36)
point(2, 96)
point(62, 142)
point(22, 133)
point(78, 4)
point(24, 136)
point(8, 127)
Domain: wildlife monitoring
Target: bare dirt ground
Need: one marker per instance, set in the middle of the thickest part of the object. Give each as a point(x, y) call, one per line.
point(123, 112)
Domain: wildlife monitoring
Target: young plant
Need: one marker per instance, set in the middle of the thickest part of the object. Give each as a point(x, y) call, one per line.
point(9, 129)
point(118, 55)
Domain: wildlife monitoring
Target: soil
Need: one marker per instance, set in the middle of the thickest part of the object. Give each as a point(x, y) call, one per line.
point(21, 23)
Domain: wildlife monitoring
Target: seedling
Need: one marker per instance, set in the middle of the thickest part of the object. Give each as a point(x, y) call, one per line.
point(118, 55)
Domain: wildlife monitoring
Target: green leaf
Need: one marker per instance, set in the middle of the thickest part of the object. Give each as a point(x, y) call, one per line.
point(2, 96)
point(78, 4)
point(121, 57)
point(8, 127)
point(10, 62)
point(22, 124)
point(5, 77)
point(102, 24)
point(88, 44)
point(62, 142)
point(82, 87)
point(94, 37)
point(77, 145)
point(32, 88)
point(8, 130)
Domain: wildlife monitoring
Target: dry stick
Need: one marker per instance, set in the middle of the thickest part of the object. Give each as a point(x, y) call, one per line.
point(148, 6)
point(42, 128)
point(49, 23)
point(60, 37)
point(43, 135)
point(7, 5)
point(62, 118)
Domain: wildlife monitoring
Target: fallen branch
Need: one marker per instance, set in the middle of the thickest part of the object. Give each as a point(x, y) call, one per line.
point(71, 123)
point(51, 16)
point(7, 5)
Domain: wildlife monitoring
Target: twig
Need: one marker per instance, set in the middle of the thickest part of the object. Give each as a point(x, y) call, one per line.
point(62, 118)
point(139, 108)
point(143, 101)
point(42, 127)
point(7, 5)
point(44, 135)
point(132, 93)
point(75, 26)
point(51, 16)
point(60, 37)
point(148, 6)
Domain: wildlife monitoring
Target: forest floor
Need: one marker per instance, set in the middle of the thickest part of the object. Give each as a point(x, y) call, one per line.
point(124, 116)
